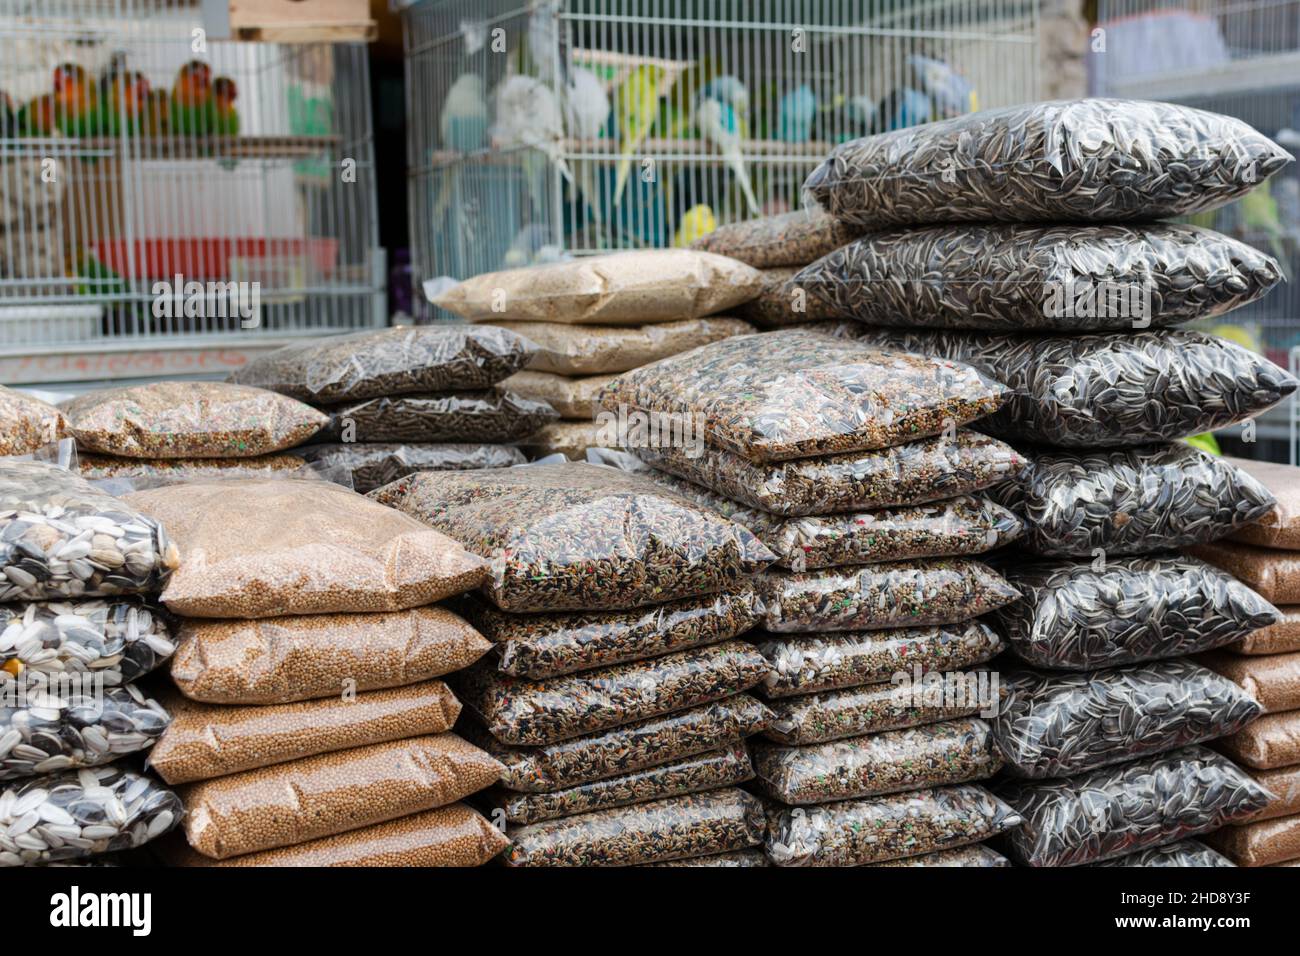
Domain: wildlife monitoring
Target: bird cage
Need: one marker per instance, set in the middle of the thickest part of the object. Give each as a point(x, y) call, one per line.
point(164, 193)
point(580, 126)
point(1242, 59)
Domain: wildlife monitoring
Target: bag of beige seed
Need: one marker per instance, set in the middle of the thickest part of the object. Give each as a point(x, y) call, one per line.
point(622, 288)
point(266, 548)
point(573, 398)
point(1270, 742)
point(1280, 528)
point(27, 424)
point(793, 238)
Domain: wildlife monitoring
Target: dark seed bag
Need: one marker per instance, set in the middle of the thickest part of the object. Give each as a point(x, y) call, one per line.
point(1056, 725)
point(877, 829)
point(914, 473)
point(688, 826)
point(781, 304)
point(1082, 160)
point(496, 415)
point(626, 749)
point(977, 855)
point(394, 361)
point(538, 646)
point(574, 536)
point(1017, 278)
point(1134, 501)
point(1119, 810)
point(956, 751)
point(708, 771)
point(117, 641)
point(788, 239)
point(1079, 615)
point(731, 859)
point(806, 663)
point(373, 465)
point(1182, 853)
point(878, 596)
point(1100, 391)
point(795, 394)
point(522, 712)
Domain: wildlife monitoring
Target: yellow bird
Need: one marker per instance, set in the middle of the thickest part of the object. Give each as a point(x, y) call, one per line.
point(696, 222)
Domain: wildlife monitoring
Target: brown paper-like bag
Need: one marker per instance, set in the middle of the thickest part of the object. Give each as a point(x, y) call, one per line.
point(1259, 844)
point(1280, 638)
point(1272, 741)
point(1274, 680)
point(1274, 574)
point(1281, 527)
point(1284, 784)
point(573, 398)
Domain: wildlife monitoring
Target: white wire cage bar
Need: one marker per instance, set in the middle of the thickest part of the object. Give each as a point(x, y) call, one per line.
point(622, 146)
point(120, 173)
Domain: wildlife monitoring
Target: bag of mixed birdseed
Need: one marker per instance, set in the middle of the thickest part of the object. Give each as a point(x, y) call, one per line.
point(57, 725)
point(1280, 528)
point(373, 465)
point(782, 304)
point(878, 829)
point(81, 813)
point(977, 855)
point(1083, 615)
point(495, 416)
point(626, 749)
point(538, 646)
point(395, 361)
point(918, 472)
point(114, 641)
point(715, 822)
point(137, 473)
point(809, 663)
point(572, 398)
point(795, 394)
point(574, 536)
point(788, 239)
point(1274, 573)
point(522, 712)
point(708, 771)
point(1279, 638)
point(61, 539)
point(212, 740)
point(1083, 160)
point(1119, 810)
point(1274, 681)
point(1101, 391)
point(565, 349)
point(622, 288)
point(1130, 501)
point(1271, 742)
point(1056, 725)
point(730, 859)
point(190, 420)
point(932, 755)
point(877, 596)
point(1181, 853)
point(27, 424)
point(1019, 278)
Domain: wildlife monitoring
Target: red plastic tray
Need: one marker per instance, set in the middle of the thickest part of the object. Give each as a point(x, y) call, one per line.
point(203, 259)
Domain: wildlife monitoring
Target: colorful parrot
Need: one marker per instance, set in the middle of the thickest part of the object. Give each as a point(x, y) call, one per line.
point(636, 108)
point(36, 118)
point(157, 113)
point(125, 105)
point(223, 117)
point(698, 221)
point(189, 101)
point(76, 103)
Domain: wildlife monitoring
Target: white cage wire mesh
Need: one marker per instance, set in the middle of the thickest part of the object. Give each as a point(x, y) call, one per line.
point(123, 166)
point(578, 126)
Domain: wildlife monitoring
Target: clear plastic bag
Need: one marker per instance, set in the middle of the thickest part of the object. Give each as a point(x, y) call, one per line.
point(572, 398)
point(1079, 615)
point(542, 712)
point(1274, 681)
point(1280, 528)
point(373, 465)
point(538, 646)
point(1057, 725)
point(878, 596)
point(1274, 573)
point(782, 305)
point(574, 536)
point(1284, 784)
point(601, 350)
point(1134, 501)
point(1280, 638)
point(212, 740)
point(279, 660)
point(320, 796)
point(708, 771)
point(109, 808)
point(787, 239)
point(153, 472)
point(806, 663)
point(50, 727)
point(914, 473)
point(1271, 742)
point(622, 288)
point(1017, 278)
point(698, 824)
point(1082, 160)
point(116, 641)
point(957, 751)
point(27, 424)
point(1181, 853)
point(1119, 810)
point(627, 749)
point(190, 419)
point(496, 416)
point(60, 538)
point(977, 855)
point(394, 361)
point(878, 829)
point(1101, 391)
point(570, 439)
point(1259, 843)
point(275, 547)
point(795, 394)
point(733, 859)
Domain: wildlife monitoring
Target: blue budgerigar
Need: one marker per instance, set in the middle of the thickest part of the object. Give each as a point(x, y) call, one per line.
point(798, 109)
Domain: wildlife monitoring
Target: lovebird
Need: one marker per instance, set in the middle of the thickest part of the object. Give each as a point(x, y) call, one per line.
point(797, 110)
point(636, 107)
point(191, 91)
point(157, 113)
point(76, 103)
point(223, 118)
point(123, 108)
point(720, 125)
point(901, 108)
point(36, 118)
